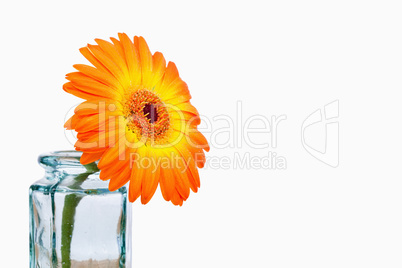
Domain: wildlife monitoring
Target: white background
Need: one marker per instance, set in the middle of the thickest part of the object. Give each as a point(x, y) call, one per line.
point(277, 58)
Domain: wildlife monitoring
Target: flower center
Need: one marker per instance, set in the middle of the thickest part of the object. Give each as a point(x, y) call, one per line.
point(146, 115)
point(150, 112)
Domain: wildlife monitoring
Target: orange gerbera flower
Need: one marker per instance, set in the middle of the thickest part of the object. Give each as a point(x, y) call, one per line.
point(137, 119)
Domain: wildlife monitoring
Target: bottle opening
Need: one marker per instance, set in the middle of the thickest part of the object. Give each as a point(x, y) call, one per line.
point(60, 160)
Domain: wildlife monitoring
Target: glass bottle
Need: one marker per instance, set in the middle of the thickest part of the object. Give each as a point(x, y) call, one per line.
point(75, 221)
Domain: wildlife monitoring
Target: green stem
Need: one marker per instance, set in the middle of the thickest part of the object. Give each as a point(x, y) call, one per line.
point(70, 206)
point(67, 226)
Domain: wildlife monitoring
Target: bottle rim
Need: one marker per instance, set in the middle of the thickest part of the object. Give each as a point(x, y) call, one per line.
point(58, 159)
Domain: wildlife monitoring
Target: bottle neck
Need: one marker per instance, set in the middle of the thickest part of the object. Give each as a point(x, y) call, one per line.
point(60, 163)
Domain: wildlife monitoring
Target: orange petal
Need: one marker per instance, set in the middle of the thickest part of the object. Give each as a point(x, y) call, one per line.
point(92, 86)
point(158, 68)
point(69, 88)
point(115, 155)
point(98, 107)
point(192, 176)
point(132, 58)
point(171, 74)
point(92, 59)
point(201, 140)
point(197, 139)
point(88, 158)
point(103, 77)
point(110, 65)
point(68, 124)
point(150, 182)
point(119, 179)
point(114, 55)
point(111, 171)
point(177, 199)
point(181, 180)
point(167, 183)
point(187, 107)
point(194, 172)
point(119, 48)
point(146, 61)
point(88, 136)
point(135, 184)
point(177, 92)
point(94, 122)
